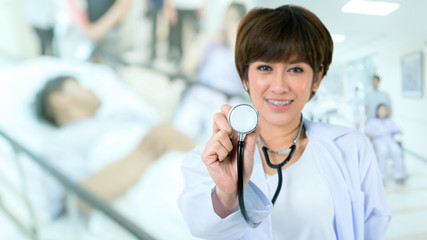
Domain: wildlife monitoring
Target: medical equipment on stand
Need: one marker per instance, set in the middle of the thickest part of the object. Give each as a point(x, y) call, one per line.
point(243, 119)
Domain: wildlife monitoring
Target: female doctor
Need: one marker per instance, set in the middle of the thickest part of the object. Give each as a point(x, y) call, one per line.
point(331, 185)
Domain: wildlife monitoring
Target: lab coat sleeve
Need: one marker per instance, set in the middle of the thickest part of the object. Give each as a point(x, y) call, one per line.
point(196, 206)
point(376, 211)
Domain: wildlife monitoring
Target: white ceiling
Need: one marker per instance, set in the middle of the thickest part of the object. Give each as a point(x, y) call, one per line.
point(365, 34)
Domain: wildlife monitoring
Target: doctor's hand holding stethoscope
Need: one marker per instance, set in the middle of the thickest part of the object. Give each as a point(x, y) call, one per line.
point(220, 158)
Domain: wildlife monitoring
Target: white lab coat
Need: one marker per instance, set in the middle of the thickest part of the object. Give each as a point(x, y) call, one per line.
point(346, 161)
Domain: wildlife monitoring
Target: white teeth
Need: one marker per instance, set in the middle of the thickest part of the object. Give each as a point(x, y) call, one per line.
point(279, 103)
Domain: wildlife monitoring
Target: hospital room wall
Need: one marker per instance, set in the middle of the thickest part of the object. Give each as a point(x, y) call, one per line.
point(410, 113)
point(17, 40)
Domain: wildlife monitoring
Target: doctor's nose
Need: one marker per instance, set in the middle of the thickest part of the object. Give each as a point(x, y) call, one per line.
point(279, 84)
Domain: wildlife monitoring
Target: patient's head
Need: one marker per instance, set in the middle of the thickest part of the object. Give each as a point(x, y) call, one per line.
point(382, 111)
point(63, 100)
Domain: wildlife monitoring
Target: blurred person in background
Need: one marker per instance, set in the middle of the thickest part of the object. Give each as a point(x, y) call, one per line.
point(184, 19)
point(381, 130)
point(374, 98)
point(130, 139)
point(357, 104)
point(211, 59)
point(99, 20)
point(211, 64)
point(154, 7)
point(41, 16)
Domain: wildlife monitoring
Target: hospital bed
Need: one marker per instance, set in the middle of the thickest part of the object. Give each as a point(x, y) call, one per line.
point(148, 209)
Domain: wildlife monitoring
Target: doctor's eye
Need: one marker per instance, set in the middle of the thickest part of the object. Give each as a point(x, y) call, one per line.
point(296, 70)
point(264, 68)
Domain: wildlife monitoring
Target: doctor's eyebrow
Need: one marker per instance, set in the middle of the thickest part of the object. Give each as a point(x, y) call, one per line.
point(295, 61)
point(289, 61)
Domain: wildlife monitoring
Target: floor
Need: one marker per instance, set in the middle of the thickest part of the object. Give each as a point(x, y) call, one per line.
point(9, 230)
point(408, 203)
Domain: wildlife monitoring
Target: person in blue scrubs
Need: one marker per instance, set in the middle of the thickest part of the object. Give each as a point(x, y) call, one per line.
point(332, 186)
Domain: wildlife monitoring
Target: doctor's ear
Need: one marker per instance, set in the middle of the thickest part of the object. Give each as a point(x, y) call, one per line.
point(245, 86)
point(317, 79)
point(315, 86)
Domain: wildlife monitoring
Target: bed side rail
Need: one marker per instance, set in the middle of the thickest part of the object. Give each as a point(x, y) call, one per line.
point(76, 190)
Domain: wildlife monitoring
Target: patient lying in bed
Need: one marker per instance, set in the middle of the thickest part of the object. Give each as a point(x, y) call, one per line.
point(130, 140)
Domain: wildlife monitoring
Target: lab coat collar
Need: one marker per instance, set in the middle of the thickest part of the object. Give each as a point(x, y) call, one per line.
point(324, 132)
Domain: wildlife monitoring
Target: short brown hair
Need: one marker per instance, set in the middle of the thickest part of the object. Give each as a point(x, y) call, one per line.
point(279, 34)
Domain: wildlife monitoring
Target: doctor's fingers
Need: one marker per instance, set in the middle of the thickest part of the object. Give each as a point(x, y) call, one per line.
point(220, 122)
point(217, 148)
point(225, 109)
point(224, 139)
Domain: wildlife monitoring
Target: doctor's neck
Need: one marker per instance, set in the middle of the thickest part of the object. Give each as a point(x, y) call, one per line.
point(277, 136)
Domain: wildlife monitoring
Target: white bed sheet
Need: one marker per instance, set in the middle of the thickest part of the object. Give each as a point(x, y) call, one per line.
point(152, 203)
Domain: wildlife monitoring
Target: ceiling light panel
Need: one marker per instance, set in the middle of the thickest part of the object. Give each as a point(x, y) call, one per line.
point(370, 7)
point(338, 38)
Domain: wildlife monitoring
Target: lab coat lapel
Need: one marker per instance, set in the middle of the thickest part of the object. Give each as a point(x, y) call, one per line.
point(329, 160)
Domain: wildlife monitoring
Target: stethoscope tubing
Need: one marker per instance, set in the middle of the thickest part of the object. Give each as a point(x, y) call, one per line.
point(278, 167)
point(240, 171)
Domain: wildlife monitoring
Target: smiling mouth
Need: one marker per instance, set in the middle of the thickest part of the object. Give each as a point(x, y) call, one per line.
point(279, 103)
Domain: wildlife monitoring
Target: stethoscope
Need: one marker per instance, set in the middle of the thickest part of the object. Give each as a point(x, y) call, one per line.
point(243, 119)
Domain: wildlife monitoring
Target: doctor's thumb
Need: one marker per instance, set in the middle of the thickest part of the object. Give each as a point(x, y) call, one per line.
point(251, 140)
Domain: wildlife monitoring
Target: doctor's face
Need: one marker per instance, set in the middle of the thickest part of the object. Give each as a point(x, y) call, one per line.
point(280, 90)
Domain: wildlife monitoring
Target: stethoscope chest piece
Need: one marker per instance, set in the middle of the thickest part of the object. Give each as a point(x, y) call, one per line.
point(243, 119)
